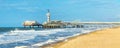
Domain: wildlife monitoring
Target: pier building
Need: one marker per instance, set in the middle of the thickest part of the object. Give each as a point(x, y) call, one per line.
point(31, 24)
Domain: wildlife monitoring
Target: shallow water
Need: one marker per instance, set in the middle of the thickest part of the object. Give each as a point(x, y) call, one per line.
point(12, 37)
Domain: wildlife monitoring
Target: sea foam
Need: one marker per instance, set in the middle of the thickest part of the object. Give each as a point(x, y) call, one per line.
point(42, 37)
point(21, 35)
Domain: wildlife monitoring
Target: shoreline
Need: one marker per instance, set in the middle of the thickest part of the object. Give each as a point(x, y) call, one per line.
point(68, 39)
point(63, 42)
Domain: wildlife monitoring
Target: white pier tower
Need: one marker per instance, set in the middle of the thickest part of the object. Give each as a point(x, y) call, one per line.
point(48, 16)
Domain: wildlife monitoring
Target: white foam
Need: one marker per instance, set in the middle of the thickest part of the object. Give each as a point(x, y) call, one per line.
point(60, 38)
point(21, 47)
point(50, 41)
point(1, 36)
point(76, 34)
point(21, 35)
point(43, 43)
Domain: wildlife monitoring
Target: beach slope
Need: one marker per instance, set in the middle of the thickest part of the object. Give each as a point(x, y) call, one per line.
point(107, 38)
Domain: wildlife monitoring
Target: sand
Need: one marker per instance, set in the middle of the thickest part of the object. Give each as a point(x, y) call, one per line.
point(107, 38)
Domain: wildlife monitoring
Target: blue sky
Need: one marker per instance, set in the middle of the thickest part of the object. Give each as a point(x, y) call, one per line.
point(14, 12)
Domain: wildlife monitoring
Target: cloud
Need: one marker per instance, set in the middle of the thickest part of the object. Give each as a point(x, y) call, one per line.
point(23, 6)
point(28, 9)
point(14, 4)
point(95, 3)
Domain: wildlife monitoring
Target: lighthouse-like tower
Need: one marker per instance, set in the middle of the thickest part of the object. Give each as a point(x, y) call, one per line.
point(48, 16)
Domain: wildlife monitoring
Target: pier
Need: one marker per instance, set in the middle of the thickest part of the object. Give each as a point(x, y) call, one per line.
point(62, 24)
point(32, 24)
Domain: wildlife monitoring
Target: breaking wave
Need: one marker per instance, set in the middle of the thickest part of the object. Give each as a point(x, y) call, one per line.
point(37, 38)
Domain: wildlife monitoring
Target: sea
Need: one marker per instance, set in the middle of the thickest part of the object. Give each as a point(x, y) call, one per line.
point(13, 37)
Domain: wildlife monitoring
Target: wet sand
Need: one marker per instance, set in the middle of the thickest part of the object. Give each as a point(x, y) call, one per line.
point(107, 38)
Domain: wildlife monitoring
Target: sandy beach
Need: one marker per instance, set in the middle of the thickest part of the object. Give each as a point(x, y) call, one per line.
point(107, 38)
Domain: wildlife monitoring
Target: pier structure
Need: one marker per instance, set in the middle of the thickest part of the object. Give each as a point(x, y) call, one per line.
point(100, 24)
point(52, 23)
point(57, 23)
point(32, 24)
point(62, 24)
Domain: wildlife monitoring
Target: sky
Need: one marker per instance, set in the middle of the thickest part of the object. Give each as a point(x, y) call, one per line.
point(14, 12)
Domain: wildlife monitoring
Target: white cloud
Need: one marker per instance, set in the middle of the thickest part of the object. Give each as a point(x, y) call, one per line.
point(5, 4)
point(28, 9)
point(23, 6)
point(87, 3)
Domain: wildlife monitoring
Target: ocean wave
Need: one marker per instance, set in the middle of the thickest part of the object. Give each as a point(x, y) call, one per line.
point(21, 35)
point(38, 38)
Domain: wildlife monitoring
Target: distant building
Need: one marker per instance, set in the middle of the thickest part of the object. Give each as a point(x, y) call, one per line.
point(54, 24)
point(31, 24)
